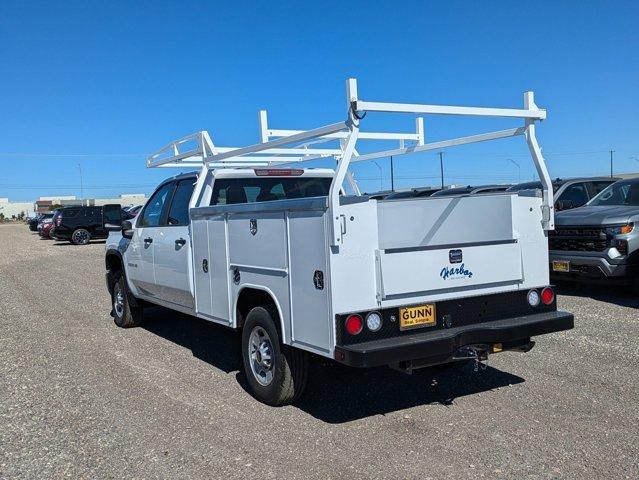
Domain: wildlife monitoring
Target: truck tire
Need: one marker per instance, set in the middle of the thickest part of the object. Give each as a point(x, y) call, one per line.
point(80, 236)
point(276, 373)
point(125, 314)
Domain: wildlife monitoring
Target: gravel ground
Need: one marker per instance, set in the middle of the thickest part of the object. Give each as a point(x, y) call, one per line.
point(81, 398)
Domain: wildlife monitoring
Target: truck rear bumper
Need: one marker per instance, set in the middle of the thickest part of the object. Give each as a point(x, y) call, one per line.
point(439, 346)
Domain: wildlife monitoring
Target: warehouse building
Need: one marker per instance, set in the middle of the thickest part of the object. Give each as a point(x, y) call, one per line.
point(15, 209)
point(44, 204)
point(9, 209)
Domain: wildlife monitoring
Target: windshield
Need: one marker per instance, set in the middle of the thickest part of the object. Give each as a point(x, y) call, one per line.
point(619, 193)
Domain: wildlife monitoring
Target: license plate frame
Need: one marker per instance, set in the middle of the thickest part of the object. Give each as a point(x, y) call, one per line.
point(417, 316)
point(562, 266)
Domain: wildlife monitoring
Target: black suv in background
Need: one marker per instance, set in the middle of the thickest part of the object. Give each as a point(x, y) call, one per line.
point(79, 225)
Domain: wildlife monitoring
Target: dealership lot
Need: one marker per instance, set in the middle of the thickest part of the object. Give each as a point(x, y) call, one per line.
point(80, 397)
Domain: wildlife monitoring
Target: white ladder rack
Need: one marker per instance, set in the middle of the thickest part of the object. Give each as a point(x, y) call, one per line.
point(282, 147)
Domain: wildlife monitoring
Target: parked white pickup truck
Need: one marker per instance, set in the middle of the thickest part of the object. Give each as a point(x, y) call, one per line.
point(300, 264)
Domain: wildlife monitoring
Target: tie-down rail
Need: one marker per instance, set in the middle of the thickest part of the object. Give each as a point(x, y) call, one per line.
point(282, 147)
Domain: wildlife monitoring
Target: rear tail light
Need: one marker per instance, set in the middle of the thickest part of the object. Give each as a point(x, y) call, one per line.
point(374, 321)
point(547, 296)
point(58, 221)
point(533, 298)
point(354, 324)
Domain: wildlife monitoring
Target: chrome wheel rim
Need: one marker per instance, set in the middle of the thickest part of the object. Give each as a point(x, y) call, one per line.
point(118, 301)
point(261, 356)
point(81, 236)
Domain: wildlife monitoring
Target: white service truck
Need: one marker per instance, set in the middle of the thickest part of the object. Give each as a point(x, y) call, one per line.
point(302, 263)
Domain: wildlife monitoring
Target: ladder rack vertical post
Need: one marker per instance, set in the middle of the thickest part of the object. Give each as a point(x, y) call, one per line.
point(548, 207)
point(263, 119)
point(342, 165)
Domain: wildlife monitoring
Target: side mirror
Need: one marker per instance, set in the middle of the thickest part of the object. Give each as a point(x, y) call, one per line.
point(127, 229)
point(112, 227)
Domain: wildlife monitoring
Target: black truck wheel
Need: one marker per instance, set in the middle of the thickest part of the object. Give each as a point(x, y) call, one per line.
point(80, 236)
point(276, 373)
point(125, 314)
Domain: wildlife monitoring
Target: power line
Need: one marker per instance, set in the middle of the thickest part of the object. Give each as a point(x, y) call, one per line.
point(86, 187)
point(22, 154)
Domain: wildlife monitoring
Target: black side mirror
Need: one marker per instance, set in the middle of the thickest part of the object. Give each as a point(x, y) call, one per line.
point(127, 229)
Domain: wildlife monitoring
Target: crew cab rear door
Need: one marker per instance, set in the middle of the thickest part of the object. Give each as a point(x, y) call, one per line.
point(172, 245)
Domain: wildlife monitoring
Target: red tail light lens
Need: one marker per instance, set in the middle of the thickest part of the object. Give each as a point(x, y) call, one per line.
point(547, 296)
point(58, 221)
point(354, 324)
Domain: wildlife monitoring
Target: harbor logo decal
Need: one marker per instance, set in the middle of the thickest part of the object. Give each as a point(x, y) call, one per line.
point(451, 273)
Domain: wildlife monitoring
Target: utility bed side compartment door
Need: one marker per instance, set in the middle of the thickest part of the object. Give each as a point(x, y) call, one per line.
point(258, 240)
point(201, 275)
point(258, 250)
point(309, 278)
point(218, 268)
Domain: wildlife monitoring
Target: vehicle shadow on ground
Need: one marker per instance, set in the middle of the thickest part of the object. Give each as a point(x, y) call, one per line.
point(65, 243)
point(338, 394)
point(335, 393)
point(212, 343)
point(615, 294)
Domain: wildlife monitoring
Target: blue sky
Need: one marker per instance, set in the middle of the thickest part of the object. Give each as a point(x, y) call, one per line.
point(102, 84)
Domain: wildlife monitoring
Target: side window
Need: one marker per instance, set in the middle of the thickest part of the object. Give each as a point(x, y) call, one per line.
point(599, 187)
point(576, 194)
point(179, 212)
point(93, 211)
point(152, 214)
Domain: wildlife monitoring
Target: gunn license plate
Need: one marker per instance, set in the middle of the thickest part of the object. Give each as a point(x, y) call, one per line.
point(413, 317)
point(560, 266)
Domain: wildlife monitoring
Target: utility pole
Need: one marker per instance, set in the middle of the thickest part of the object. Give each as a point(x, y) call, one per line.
point(392, 176)
point(518, 169)
point(611, 152)
point(441, 166)
point(381, 186)
point(81, 186)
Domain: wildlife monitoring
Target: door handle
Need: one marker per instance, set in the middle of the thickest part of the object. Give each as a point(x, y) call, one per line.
point(180, 242)
point(148, 240)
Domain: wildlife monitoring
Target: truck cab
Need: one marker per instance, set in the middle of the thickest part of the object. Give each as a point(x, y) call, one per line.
point(303, 265)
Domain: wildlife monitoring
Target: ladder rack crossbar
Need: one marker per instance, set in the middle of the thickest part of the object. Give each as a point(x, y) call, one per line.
point(536, 114)
point(341, 135)
point(442, 144)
